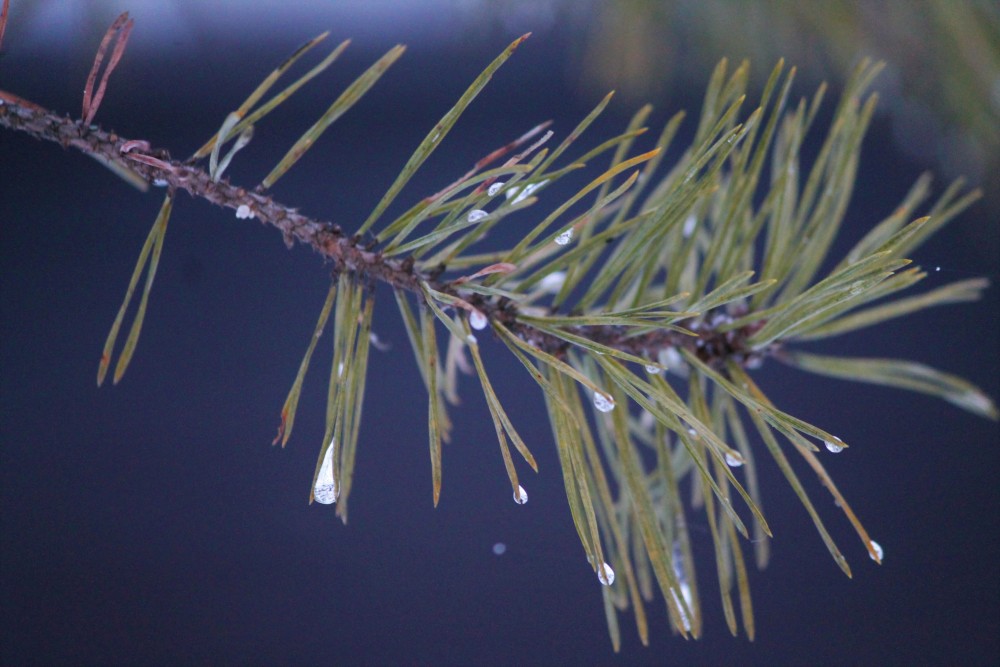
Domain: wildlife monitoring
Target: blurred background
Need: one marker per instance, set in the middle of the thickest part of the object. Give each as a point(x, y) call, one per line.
point(152, 522)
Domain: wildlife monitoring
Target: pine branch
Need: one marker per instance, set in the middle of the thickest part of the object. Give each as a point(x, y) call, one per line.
point(350, 253)
point(584, 301)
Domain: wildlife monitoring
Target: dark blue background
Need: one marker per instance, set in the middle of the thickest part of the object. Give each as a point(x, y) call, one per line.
point(153, 523)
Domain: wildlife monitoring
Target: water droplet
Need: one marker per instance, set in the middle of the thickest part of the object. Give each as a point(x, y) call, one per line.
point(689, 224)
point(652, 370)
point(477, 215)
point(244, 212)
point(734, 460)
point(495, 188)
point(325, 491)
point(159, 182)
point(521, 497)
point(835, 447)
point(877, 548)
point(477, 320)
point(340, 369)
point(671, 357)
point(523, 193)
point(937, 268)
point(605, 574)
point(565, 237)
point(553, 282)
point(678, 558)
point(972, 400)
point(603, 403)
point(685, 621)
point(499, 549)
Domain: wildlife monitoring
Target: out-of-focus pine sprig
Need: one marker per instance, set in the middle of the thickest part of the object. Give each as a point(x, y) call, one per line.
point(639, 304)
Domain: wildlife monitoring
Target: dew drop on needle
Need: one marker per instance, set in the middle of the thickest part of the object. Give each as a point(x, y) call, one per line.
point(325, 491)
point(603, 403)
point(565, 237)
point(477, 320)
point(521, 497)
point(835, 447)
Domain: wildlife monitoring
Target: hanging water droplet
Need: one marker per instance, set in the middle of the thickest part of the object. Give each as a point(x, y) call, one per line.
point(565, 237)
point(159, 182)
point(477, 215)
point(834, 447)
point(877, 548)
point(734, 460)
point(605, 574)
point(678, 559)
point(521, 497)
point(972, 400)
point(471, 340)
point(689, 224)
point(652, 370)
point(244, 212)
point(477, 320)
point(553, 282)
point(523, 193)
point(495, 188)
point(603, 403)
point(499, 549)
point(325, 491)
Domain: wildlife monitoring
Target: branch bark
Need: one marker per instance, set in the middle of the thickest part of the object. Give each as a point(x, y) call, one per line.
point(348, 253)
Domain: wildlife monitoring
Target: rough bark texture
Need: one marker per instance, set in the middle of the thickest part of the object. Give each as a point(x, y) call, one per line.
point(348, 253)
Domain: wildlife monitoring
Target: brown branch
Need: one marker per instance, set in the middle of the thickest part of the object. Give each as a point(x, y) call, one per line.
point(156, 167)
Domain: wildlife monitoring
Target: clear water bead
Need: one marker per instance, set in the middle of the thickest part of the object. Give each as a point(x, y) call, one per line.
point(689, 224)
point(325, 491)
point(671, 357)
point(244, 212)
point(471, 340)
point(733, 460)
point(477, 215)
point(499, 549)
point(652, 370)
point(520, 194)
point(495, 188)
point(565, 237)
point(553, 282)
point(521, 497)
point(877, 548)
point(835, 447)
point(603, 403)
point(477, 320)
point(605, 574)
